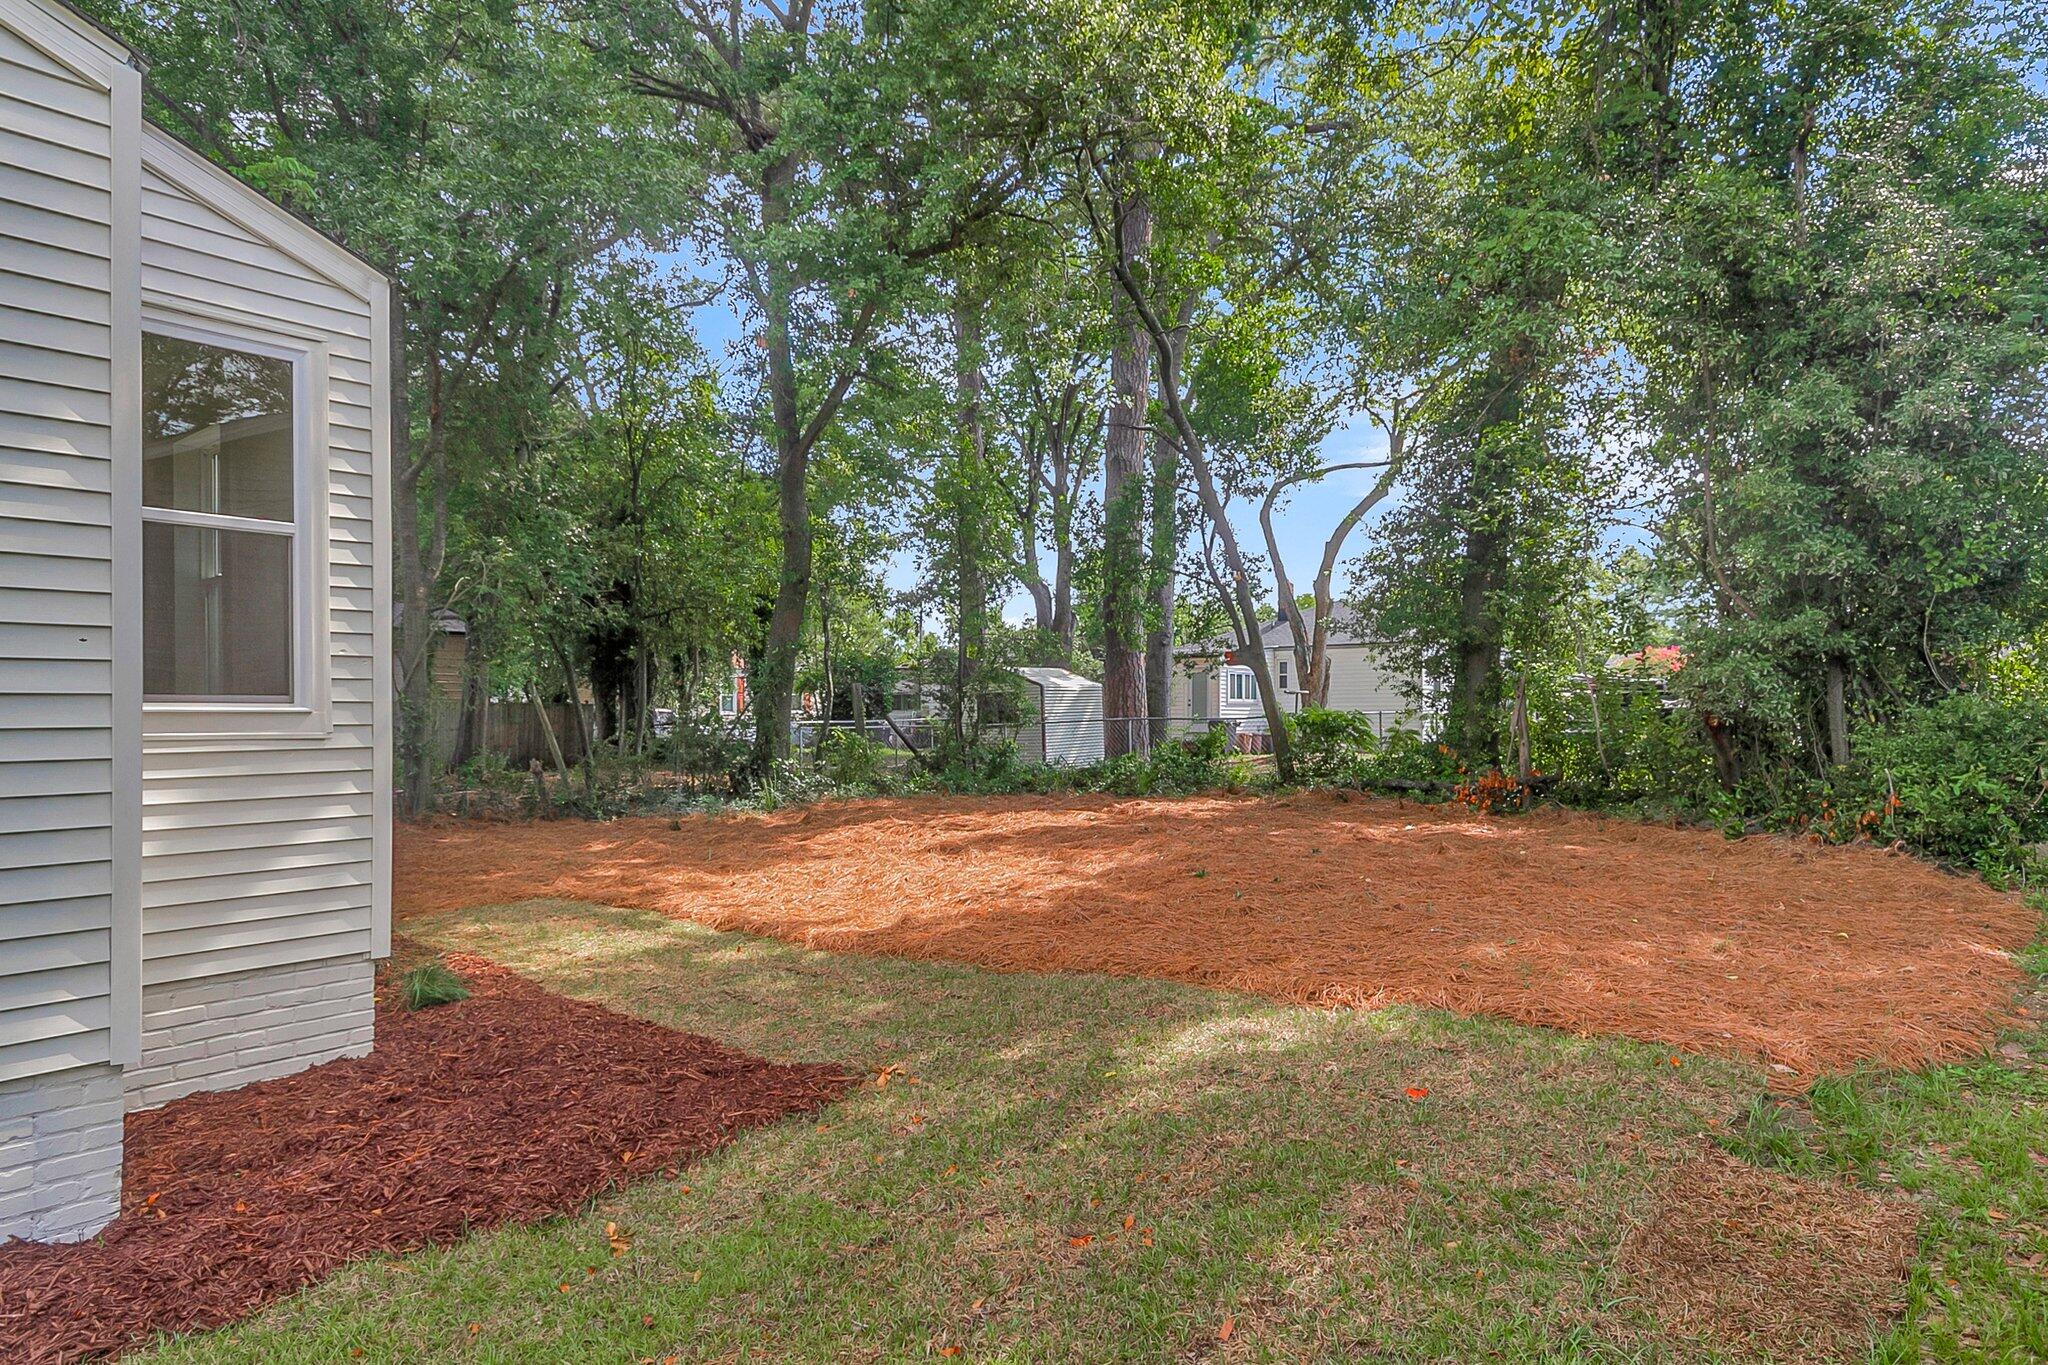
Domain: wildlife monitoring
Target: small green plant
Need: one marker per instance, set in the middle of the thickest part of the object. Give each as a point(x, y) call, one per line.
point(430, 984)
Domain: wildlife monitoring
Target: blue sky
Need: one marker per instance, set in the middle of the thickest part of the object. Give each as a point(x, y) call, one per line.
point(1301, 524)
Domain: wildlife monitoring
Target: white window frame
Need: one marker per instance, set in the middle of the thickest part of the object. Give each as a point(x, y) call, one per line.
point(1280, 674)
point(305, 714)
point(1244, 675)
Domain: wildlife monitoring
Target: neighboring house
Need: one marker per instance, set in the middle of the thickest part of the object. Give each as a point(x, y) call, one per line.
point(1211, 682)
point(195, 610)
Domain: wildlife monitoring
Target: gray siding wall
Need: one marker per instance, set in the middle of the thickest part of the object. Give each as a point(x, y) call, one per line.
point(67, 704)
point(262, 854)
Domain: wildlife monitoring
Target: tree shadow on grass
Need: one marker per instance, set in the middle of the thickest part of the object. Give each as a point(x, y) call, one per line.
point(1067, 1167)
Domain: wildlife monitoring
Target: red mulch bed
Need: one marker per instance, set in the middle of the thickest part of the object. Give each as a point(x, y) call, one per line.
point(512, 1105)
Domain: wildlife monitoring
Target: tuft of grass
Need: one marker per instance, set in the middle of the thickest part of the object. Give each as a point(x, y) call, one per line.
point(430, 984)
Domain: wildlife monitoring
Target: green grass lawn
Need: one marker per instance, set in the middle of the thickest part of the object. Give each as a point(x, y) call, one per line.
point(1073, 1168)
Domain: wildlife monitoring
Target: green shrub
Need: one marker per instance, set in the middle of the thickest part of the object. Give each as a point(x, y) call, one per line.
point(1332, 746)
point(430, 984)
point(1964, 780)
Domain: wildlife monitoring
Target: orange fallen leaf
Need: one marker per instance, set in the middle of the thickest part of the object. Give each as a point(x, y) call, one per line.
point(563, 1287)
point(1416, 1092)
point(975, 1307)
point(949, 1351)
point(1229, 1326)
point(476, 1328)
point(647, 1319)
point(1130, 1221)
point(620, 1242)
point(1083, 1240)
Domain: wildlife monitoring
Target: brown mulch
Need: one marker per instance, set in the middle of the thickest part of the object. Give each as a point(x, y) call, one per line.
point(515, 1104)
point(1759, 1263)
point(1815, 958)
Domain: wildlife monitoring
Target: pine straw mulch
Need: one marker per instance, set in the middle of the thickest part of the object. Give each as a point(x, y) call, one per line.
point(1760, 1263)
point(513, 1105)
point(1815, 958)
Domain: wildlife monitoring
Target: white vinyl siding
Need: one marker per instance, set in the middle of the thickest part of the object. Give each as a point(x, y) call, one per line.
point(1361, 681)
point(67, 948)
point(261, 833)
point(1067, 731)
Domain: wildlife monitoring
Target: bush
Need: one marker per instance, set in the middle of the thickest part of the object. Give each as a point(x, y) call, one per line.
point(1964, 780)
point(430, 984)
point(1332, 746)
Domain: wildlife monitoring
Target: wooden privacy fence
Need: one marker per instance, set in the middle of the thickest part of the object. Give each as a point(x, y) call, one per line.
point(511, 730)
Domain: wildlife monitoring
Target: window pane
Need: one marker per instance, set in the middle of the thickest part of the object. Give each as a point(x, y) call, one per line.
point(216, 429)
point(216, 613)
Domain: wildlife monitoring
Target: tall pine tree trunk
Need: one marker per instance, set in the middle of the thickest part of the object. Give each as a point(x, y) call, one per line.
point(773, 683)
point(969, 548)
point(1123, 504)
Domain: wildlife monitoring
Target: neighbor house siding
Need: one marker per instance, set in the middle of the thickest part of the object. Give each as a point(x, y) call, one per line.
point(68, 704)
point(263, 856)
point(1361, 681)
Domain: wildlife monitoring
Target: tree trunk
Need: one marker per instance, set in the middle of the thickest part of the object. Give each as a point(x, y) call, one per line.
point(1475, 689)
point(969, 547)
point(1163, 549)
point(1123, 503)
point(1838, 711)
point(774, 682)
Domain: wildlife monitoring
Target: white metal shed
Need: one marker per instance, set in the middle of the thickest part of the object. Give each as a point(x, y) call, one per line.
point(195, 605)
point(1066, 727)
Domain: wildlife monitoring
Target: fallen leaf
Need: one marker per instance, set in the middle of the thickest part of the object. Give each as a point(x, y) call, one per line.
point(620, 1242)
point(475, 1328)
point(1229, 1326)
point(563, 1287)
point(949, 1351)
point(1416, 1092)
point(1129, 1221)
point(647, 1319)
point(1083, 1240)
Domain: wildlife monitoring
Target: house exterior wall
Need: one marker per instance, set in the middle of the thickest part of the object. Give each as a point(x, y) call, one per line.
point(1360, 680)
point(223, 868)
point(218, 1032)
point(69, 651)
point(265, 836)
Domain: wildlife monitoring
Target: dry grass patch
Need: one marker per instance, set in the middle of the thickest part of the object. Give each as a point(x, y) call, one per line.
point(1758, 1262)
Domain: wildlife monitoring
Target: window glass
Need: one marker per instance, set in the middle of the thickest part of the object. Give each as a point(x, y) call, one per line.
point(216, 429)
point(218, 522)
point(216, 613)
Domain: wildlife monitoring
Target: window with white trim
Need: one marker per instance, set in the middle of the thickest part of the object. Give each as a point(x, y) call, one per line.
point(1281, 680)
point(1242, 687)
point(220, 522)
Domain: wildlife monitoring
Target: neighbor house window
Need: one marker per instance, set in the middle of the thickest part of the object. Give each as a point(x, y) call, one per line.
point(1282, 663)
point(219, 522)
point(1241, 688)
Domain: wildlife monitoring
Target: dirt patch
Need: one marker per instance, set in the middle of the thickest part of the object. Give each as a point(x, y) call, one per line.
point(1762, 1263)
point(512, 1105)
point(1813, 957)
